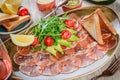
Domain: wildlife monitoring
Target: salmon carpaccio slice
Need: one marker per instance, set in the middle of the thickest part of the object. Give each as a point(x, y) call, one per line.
point(83, 53)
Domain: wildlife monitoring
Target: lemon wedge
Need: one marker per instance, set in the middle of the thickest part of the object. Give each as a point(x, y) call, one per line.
point(22, 40)
point(7, 8)
point(10, 6)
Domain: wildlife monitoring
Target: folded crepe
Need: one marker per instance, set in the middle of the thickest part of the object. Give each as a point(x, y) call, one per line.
point(95, 22)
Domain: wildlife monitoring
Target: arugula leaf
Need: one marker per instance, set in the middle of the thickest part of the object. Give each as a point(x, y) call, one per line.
point(51, 26)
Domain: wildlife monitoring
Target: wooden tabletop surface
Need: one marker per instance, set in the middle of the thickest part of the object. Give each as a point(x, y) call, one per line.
point(36, 15)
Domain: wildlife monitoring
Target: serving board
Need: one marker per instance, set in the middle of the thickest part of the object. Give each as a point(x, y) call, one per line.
point(113, 18)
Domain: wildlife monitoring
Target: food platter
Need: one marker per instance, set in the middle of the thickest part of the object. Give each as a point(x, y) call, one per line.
point(81, 71)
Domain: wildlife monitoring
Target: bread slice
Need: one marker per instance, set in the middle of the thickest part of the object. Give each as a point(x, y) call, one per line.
point(104, 22)
point(4, 16)
point(96, 23)
point(13, 23)
point(92, 25)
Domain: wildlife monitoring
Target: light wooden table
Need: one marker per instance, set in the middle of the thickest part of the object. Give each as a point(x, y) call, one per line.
point(36, 15)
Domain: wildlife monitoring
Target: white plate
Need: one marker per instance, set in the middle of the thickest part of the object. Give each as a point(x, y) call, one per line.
point(88, 69)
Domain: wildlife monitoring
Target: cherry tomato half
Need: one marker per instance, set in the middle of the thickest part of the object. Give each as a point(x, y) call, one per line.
point(48, 41)
point(23, 11)
point(69, 23)
point(35, 42)
point(66, 34)
point(23, 50)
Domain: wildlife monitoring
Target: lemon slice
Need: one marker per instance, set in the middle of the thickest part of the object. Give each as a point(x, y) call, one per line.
point(10, 6)
point(22, 40)
point(7, 8)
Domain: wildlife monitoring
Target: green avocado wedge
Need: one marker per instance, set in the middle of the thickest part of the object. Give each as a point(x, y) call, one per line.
point(73, 38)
point(64, 43)
point(99, 0)
point(72, 31)
point(102, 2)
point(51, 50)
point(58, 48)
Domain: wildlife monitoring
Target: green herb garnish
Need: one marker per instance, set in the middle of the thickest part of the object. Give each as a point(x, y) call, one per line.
point(51, 26)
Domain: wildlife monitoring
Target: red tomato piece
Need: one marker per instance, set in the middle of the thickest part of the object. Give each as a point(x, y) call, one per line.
point(66, 34)
point(35, 41)
point(69, 23)
point(23, 50)
point(48, 41)
point(23, 11)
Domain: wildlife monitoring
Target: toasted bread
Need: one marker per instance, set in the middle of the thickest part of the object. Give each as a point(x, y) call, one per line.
point(4, 16)
point(92, 25)
point(11, 24)
point(104, 22)
point(95, 23)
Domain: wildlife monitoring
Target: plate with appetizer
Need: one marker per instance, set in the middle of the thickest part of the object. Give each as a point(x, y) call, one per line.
point(67, 46)
point(13, 17)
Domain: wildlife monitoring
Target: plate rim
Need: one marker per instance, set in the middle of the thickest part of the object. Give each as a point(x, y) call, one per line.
point(111, 56)
point(24, 27)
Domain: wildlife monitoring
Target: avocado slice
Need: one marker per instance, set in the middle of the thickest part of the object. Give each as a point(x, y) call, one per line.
point(72, 31)
point(99, 0)
point(73, 38)
point(58, 48)
point(64, 43)
point(51, 50)
point(102, 2)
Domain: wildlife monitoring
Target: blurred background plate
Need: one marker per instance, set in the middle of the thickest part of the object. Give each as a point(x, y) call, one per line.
point(4, 34)
point(17, 29)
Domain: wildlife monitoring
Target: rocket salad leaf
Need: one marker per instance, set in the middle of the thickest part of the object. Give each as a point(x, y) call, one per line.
point(51, 26)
